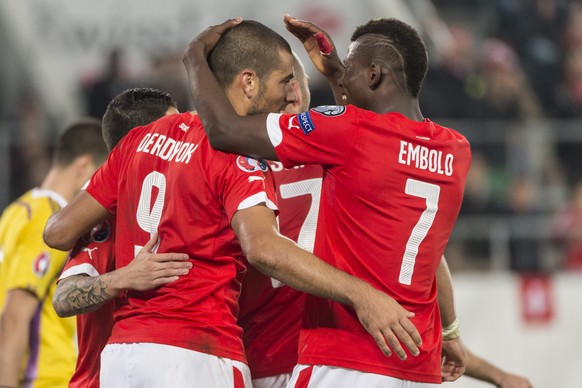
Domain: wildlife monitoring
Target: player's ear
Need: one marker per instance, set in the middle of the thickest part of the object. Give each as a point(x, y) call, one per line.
point(374, 76)
point(249, 82)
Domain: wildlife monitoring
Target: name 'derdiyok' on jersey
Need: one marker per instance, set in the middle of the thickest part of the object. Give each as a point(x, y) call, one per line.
point(167, 148)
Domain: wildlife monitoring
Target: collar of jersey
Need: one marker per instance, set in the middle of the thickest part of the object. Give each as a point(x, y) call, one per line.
point(38, 193)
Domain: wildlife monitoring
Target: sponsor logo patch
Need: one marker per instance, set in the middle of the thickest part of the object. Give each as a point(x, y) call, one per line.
point(291, 125)
point(330, 110)
point(248, 164)
point(305, 122)
point(89, 251)
point(41, 264)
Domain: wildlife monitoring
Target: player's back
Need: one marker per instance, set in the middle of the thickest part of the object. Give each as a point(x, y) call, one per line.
point(27, 263)
point(397, 194)
point(171, 181)
point(386, 215)
point(392, 189)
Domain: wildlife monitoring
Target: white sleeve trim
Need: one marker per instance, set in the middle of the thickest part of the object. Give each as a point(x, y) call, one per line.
point(273, 129)
point(85, 269)
point(256, 199)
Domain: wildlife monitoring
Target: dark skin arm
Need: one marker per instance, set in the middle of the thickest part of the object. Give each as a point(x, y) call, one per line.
point(480, 369)
point(321, 51)
point(282, 259)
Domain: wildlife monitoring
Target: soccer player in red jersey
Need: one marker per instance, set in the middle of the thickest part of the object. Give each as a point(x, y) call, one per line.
point(89, 282)
point(392, 188)
point(271, 312)
point(165, 178)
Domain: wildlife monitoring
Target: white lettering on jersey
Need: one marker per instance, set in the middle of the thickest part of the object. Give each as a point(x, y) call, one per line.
point(424, 158)
point(167, 148)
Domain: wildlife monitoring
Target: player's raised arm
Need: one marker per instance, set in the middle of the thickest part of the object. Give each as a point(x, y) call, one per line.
point(226, 130)
point(322, 52)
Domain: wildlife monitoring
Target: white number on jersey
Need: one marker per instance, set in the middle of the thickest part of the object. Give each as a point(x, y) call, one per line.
point(306, 238)
point(148, 216)
point(431, 193)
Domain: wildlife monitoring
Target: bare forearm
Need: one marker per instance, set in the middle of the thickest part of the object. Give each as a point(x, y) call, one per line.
point(445, 293)
point(80, 294)
point(13, 340)
point(66, 226)
point(203, 84)
point(282, 259)
point(480, 369)
point(12, 349)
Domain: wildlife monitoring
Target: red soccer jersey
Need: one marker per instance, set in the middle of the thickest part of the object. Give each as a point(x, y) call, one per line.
point(392, 189)
point(94, 257)
point(166, 177)
point(270, 312)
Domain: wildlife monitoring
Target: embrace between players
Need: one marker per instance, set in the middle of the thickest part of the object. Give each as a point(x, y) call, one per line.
point(184, 227)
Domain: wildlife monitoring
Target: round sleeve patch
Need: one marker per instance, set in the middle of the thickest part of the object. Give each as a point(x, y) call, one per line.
point(101, 232)
point(248, 164)
point(330, 110)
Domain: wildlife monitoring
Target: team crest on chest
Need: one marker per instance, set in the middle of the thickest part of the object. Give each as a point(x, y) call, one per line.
point(248, 164)
point(41, 264)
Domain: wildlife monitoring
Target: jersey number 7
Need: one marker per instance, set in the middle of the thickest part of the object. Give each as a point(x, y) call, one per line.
point(306, 238)
point(430, 192)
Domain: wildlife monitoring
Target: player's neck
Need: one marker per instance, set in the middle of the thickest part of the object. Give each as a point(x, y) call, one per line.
point(62, 181)
point(406, 107)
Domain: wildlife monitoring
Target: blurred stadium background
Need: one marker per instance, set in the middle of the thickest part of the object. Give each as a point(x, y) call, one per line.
point(505, 73)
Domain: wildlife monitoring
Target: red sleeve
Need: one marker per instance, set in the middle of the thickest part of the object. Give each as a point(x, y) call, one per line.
point(324, 135)
point(244, 183)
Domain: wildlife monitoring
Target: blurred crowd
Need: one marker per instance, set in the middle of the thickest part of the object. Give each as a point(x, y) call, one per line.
point(509, 76)
point(513, 69)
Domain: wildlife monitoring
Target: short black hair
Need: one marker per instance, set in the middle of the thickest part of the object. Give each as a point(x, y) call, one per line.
point(133, 108)
point(407, 42)
point(249, 44)
point(80, 138)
